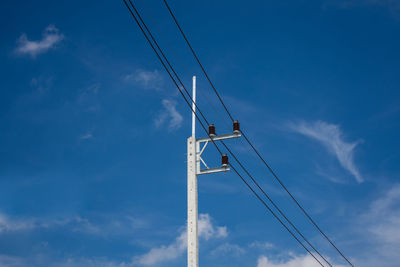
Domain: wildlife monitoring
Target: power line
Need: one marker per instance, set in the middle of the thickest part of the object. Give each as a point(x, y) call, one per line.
point(168, 47)
point(273, 203)
point(248, 141)
point(165, 67)
point(197, 59)
point(276, 217)
point(297, 203)
point(162, 54)
point(165, 58)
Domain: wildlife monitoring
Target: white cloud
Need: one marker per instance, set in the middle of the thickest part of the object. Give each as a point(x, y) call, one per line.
point(86, 136)
point(262, 245)
point(148, 79)
point(44, 260)
point(87, 262)
point(51, 37)
point(170, 114)
point(8, 224)
point(8, 261)
point(301, 261)
point(379, 232)
point(103, 225)
point(15, 224)
point(383, 218)
point(228, 249)
point(172, 251)
point(41, 84)
point(207, 230)
point(294, 261)
point(164, 253)
point(331, 136)
point(88, 98)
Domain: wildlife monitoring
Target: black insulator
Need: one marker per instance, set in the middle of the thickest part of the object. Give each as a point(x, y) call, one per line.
point(211, 130)
point(225, 160)
point(236, 127)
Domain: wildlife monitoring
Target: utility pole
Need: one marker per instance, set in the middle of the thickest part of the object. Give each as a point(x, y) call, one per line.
point(194, 160)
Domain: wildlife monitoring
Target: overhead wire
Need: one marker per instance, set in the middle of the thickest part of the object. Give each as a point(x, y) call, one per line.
point(165, 67)
point(247, 139)
point(273, 203)
point(168, 45)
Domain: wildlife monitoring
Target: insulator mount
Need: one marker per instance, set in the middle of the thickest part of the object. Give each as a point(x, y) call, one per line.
point(211, 130)
point(236, 127)
point(225, 160)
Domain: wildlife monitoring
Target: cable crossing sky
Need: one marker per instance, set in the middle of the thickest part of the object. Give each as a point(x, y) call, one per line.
point(245, 136)
point(193, 106)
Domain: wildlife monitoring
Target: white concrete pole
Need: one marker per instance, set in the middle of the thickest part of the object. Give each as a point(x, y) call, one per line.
point(192, 206)
point(192, 200)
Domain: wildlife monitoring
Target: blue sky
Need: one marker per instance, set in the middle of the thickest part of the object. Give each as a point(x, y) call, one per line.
point(93, 133)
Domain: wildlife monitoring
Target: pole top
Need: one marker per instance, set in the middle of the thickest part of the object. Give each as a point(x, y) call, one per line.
point(194, 108)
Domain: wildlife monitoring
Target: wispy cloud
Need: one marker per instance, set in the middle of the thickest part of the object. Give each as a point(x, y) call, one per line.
point(86, 136)
point(8, 261)
point(45, 260)
point(293, 261)
point(41, 84)
point(228, 249)
point(169, 114)
point(174, 250)
point(102, 226)
point(262, 245)
point(147, 79)
point(239, 250)
point(8, 224)
point(88, 98)
point(19, 224)
point(331, 136)
point(383, 217)
point(51, 37)
point(379, 231)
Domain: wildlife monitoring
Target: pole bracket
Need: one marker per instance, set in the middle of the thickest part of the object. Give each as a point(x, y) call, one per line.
point(218, 137)
point(214, 170)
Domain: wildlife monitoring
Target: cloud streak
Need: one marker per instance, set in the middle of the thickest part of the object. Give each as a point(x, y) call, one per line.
point(51, 37)
point(383, 217)
point(86, 136)
point(174, 250)
point(379, 231)
point(11, 225)
point(44, 260)
point(99, 226)
point(20, 224)
point(169, 115)
point(147, 79)
point(295, 261)
point(331, 136)
point(228, 249)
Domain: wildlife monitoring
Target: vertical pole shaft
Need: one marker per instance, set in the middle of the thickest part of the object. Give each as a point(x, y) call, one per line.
point(192, 198)
point(192, 201)
point(194, 108)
